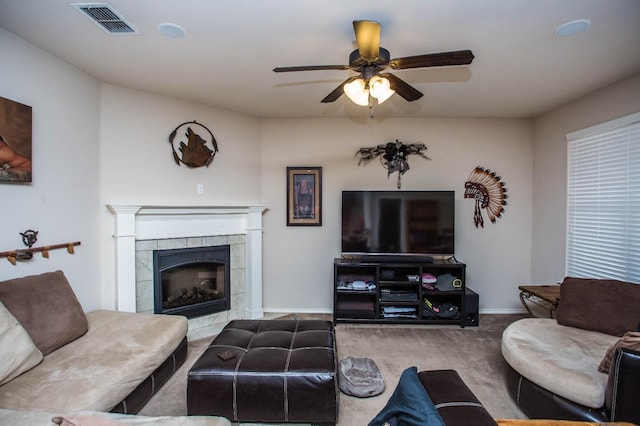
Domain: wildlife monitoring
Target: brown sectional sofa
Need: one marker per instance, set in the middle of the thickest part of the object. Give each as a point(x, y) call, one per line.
point(102, 361)
point(586, 364)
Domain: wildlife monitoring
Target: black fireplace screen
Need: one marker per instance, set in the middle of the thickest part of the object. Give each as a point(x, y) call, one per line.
point(192, 281)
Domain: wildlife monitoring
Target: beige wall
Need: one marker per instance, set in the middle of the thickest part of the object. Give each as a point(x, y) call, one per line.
point(96, 144)
point(62, 201)
point(137, 165)
point(298, 261)
point(550, 168)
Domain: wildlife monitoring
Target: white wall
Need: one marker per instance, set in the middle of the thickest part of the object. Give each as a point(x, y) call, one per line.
point(137, 165)
point(550, 168)
point(62, 201)
point(298, 261)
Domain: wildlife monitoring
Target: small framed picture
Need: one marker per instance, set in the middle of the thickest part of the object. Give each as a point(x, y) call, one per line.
point(304, 196)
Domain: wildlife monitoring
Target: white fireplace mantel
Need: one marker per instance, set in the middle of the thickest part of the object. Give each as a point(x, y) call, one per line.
point(140, 222)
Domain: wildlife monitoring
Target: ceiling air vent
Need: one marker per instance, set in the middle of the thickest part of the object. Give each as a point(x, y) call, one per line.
point(106, 17)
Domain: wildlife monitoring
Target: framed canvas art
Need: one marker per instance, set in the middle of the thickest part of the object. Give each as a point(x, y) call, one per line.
point(304, 196)
point(15, 142)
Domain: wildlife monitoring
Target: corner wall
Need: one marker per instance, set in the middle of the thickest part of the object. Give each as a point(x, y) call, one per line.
point(137, 165)
point(550, 169)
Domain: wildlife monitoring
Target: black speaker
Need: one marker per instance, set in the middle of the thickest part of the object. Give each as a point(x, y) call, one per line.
point(471, 301)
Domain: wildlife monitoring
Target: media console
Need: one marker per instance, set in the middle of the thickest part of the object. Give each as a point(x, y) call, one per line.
point(390, 289)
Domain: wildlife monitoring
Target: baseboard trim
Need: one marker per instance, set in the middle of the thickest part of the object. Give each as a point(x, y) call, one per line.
point(329, 311)
point(296, 311)
point(503, 311)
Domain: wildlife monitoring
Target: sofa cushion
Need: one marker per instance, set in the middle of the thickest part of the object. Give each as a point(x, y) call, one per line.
point(120, 350)
point(606, 306)
point(46, 307)
point(44, 418)
point(18, 353)
point(109, 419)
point(455, 402)
point(563, 360)
point(631, 340)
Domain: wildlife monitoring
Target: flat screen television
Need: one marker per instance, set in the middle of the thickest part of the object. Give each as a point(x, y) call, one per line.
point(398, 223)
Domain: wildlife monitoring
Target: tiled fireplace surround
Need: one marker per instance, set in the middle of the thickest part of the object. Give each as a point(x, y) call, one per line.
point(141, 229)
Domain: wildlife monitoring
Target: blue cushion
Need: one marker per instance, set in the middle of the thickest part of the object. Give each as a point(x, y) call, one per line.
point(410, 405)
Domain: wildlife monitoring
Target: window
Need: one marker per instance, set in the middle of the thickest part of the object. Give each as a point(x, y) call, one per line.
point(603, 214)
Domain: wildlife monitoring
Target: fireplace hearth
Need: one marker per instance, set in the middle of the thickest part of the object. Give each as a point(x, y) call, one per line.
point(192, 281)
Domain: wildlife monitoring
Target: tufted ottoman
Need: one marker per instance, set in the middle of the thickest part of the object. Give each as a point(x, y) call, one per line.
point(279, 371)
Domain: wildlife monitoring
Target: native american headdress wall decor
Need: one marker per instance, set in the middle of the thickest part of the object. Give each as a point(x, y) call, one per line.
point(393, 156)
point(489, 192)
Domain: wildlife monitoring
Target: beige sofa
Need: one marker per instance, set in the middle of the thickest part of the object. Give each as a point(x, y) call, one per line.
point(53, 357)
point(91, 418)
point(584, 365)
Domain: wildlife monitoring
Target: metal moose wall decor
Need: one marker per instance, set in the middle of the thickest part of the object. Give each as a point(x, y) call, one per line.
point(200, 146)
point(489, 192)
point(394, 156)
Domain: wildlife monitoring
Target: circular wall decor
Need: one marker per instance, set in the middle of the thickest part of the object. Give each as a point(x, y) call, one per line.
point(198, 147)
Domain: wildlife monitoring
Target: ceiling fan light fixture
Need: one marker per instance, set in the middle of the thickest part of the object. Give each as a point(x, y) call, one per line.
point(357, 92)
point(369, 59)
point(380, 88)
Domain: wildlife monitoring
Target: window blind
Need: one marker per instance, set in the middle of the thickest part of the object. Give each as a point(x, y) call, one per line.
point(603, 209)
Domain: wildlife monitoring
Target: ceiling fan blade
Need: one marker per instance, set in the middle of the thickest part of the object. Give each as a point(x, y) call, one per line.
point(367, 38)
point(312, 68)
point(338, 91)
point(402, 88)
point(459, 57)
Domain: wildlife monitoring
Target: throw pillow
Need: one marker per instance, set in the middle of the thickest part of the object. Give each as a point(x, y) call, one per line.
point(409, 405)
point(631, 340)
point(18, 353)
point(46, 307)
point(605, 306)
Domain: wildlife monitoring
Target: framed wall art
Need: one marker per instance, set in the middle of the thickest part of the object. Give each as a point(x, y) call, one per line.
point(304, 196)
point(15, 141)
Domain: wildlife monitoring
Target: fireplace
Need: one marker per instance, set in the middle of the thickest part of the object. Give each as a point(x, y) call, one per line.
point(141, 229)
point(192, 281)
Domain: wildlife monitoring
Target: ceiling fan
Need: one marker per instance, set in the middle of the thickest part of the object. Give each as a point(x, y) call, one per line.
point(370, 60)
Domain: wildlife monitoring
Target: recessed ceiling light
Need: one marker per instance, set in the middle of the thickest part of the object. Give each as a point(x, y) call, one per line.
point(171, 30)
point(573, 27)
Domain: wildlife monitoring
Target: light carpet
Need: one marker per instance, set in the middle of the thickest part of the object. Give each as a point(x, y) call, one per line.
point(474, 352)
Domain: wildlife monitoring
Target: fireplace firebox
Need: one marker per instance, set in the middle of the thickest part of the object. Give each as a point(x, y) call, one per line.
point(192, 281)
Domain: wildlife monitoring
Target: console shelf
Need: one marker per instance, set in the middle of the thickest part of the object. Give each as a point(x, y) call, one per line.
point(392, 292)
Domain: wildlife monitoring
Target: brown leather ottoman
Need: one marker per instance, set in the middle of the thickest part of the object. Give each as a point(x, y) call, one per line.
point(283, 371)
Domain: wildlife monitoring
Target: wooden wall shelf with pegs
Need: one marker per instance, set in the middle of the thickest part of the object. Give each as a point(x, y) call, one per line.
point(25, 254)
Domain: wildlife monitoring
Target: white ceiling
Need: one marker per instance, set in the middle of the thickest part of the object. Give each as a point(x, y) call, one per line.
point(521, 67)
